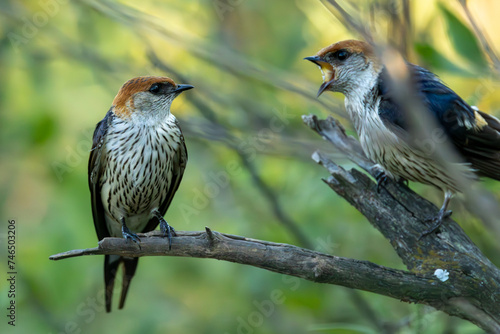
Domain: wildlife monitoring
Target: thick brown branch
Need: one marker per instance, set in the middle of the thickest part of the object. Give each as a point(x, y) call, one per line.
point(280, 258)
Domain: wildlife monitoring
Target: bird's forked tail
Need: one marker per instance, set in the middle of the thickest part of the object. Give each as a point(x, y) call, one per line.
point(111, 265)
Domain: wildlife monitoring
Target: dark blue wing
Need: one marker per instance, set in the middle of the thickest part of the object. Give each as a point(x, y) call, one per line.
point(95, 171)
point(475, 134)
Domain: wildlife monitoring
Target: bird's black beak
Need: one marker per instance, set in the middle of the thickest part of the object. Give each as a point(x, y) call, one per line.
point(314, 59)
point(324, 86)
point(180, 88)
point(326, 69)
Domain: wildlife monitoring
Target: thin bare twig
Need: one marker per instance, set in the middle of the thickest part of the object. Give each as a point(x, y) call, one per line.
point(348, 20)
point(481, 36)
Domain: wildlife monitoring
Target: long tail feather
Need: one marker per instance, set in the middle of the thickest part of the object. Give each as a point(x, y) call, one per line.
point(111, 264)
point(130, 265)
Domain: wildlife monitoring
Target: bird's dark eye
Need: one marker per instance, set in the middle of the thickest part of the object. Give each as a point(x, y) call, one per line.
point(155, 88)
point(342, 55)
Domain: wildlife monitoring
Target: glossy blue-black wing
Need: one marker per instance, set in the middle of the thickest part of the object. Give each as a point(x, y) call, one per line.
point(475, 134)
point(95, 170)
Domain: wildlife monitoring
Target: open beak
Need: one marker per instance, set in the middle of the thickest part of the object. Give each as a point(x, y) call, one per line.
point(327, 71)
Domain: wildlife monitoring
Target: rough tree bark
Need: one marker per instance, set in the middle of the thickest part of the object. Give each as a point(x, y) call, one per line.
point(471, 292)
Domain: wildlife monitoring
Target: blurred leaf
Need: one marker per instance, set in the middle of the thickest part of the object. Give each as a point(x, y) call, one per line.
point(463, 40)
point(436, 60)
point(43, 129)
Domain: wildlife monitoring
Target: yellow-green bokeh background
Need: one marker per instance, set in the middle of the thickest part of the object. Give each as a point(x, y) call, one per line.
point(62, 62)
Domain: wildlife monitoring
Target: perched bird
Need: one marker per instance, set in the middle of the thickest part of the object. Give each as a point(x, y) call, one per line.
point(136, 163)
point(352, 68)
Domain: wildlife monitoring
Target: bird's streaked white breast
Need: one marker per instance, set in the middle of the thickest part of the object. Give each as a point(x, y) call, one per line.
point(140, 156)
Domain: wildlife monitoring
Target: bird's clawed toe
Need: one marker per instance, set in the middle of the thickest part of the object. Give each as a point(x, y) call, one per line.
point(167, 231)
point(436, 221)
point(381, 180)
point(127, 234)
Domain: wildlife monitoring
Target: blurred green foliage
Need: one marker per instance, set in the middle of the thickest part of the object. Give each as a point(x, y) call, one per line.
point(61, 64)
point(463, 39)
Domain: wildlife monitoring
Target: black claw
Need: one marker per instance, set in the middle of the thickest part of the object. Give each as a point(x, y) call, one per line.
point(436, 223)
point(167, 231)
point(381, 180)
point(447, 214)
point(165, 228)
point(127, 234)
